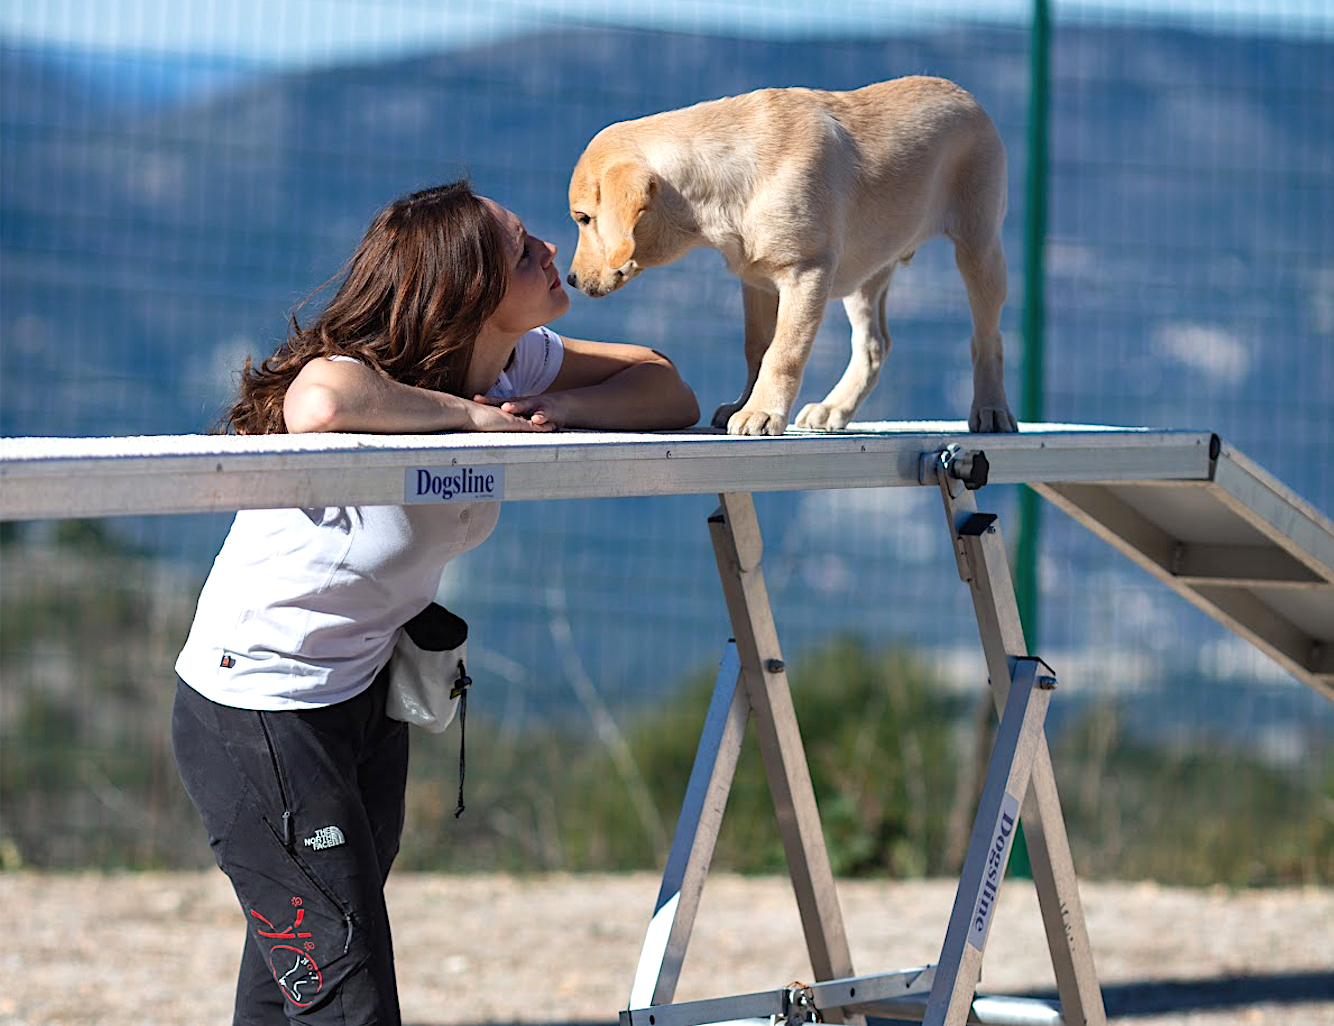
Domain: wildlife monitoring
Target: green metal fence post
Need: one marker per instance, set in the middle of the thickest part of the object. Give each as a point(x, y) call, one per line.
point(1031, 400)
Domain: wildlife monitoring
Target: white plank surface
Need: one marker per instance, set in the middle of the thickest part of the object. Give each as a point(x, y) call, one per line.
point(70, 477)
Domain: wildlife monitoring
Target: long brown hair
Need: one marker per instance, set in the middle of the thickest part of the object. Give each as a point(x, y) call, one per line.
point(430, 270)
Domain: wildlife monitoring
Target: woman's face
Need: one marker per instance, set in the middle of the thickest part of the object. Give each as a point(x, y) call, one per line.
point(536, 294)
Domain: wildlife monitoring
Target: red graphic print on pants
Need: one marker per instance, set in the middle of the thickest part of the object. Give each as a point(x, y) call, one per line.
point(293, 967)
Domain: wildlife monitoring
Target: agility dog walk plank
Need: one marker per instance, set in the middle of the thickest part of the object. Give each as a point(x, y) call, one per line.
point(63, 477)
point(1191, 510)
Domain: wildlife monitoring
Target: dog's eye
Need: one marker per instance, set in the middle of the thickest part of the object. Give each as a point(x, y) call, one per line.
point(581, 218)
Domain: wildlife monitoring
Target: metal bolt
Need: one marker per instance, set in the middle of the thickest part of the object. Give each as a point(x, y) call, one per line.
point(774, 665)
point(1047, 683)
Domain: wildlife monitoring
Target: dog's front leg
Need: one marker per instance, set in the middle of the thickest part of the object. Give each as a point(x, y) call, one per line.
point(802, 296)
point(761, 309)
point(870, 346)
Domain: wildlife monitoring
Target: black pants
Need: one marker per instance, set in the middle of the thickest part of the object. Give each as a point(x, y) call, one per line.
point(304, 811)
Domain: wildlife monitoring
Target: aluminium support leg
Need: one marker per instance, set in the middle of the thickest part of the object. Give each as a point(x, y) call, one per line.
point(737, 547)
point(1008, 774)
point(983, 565)
point(751, 679)
point(696, 835)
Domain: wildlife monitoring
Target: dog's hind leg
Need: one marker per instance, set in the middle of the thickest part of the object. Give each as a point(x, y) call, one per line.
point(761, 311)
point(981, 263)
point(870, 347)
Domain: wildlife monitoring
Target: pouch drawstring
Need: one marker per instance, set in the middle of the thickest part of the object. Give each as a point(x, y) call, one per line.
point(460, 691)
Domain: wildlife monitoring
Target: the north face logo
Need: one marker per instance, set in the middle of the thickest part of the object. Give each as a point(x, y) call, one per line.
point(325, 837)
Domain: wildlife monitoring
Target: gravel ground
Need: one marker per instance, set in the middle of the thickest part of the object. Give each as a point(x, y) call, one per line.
point(149, 949)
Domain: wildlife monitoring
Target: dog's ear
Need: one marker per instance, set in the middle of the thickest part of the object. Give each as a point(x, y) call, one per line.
point(628, 189)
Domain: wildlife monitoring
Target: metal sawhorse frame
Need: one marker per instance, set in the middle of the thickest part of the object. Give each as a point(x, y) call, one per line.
point(752, 680)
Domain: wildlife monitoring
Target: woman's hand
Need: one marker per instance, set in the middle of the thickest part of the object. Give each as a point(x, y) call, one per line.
point(544, 412)
point(489, 414)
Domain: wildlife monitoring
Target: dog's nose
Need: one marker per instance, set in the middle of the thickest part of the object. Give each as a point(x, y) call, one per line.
point(570, 280)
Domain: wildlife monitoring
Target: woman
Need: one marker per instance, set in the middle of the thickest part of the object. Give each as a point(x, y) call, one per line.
point(279, 726)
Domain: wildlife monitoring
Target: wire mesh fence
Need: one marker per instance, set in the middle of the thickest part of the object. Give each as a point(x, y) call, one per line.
point(171, 187)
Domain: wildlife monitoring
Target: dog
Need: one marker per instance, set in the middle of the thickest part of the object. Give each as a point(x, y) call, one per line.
point(809, 195)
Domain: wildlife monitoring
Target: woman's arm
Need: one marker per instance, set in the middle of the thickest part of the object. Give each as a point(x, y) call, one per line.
point(605, 385)
point(347, 395)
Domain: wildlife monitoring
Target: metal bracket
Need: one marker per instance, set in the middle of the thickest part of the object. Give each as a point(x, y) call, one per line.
point(955, 471)
point(971, 468)
point(798, 1006)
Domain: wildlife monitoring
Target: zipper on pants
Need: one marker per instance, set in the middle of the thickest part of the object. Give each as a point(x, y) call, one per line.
point(289, 842)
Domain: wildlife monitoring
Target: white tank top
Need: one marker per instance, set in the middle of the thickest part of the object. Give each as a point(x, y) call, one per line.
point(302, 606)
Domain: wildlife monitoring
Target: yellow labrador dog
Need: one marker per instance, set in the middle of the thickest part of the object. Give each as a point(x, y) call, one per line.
point(809, 195)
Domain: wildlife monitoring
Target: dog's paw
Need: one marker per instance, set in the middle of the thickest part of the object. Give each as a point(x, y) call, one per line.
point(822, 417)
point(756, 422)
point(724, 413)
point(992, 420)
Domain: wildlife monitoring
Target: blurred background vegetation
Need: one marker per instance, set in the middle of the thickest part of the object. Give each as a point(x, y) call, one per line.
point(92, 783)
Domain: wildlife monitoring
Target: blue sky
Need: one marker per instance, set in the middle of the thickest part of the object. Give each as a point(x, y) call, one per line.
point(305, 32)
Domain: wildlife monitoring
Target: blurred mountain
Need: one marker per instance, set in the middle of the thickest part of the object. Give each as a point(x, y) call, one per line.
point(158, 241)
